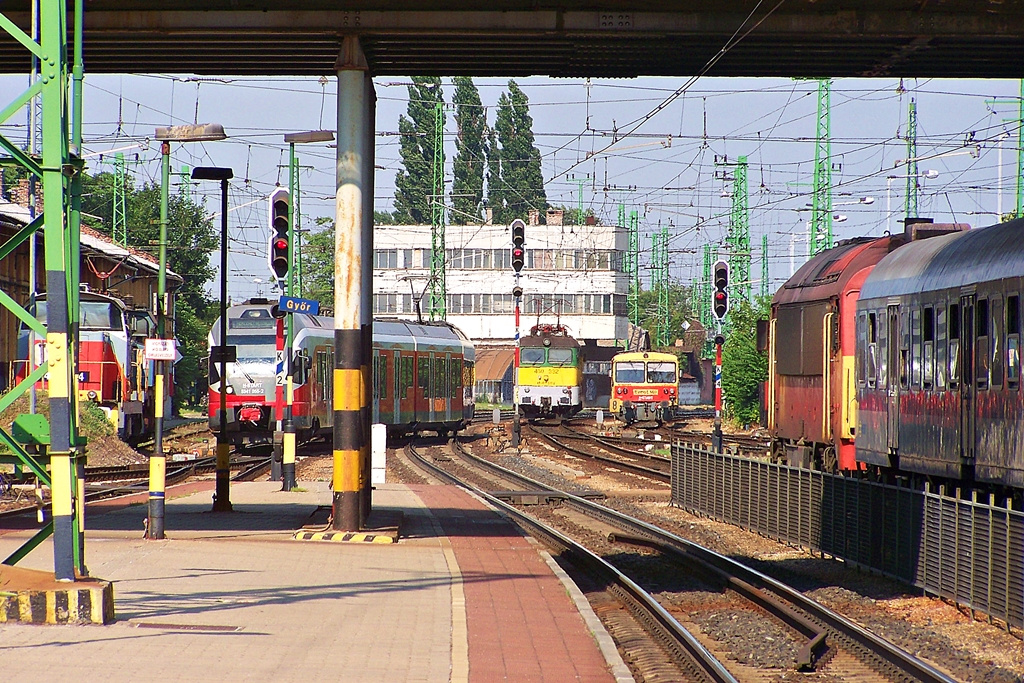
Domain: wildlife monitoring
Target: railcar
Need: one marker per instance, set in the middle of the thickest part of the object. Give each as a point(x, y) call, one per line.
point(111, 368)
point(422, 375)
point(550, 375)
point(645, 386)
point(811, 406)
point(938, 365)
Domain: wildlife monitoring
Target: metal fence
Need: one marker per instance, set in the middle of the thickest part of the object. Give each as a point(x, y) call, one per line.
point(968, 551)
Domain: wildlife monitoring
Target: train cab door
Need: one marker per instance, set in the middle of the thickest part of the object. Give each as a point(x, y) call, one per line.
point(432, 388)
point(378, 372)
point(449, 387)
point(968, 387)
point(894, 343)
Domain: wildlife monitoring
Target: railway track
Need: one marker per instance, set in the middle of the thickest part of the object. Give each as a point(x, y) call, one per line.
point(825, 639)
point(653, 466)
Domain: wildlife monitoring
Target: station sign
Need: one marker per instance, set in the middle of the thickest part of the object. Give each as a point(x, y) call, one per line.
point(160, 349)
point(293, 304)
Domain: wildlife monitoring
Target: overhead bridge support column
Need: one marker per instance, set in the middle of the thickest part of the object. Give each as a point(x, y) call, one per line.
point(353, 271)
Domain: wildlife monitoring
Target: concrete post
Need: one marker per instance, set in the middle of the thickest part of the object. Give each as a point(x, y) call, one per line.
point(352, 318)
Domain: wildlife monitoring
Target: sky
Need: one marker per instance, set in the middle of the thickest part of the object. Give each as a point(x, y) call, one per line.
point(645, 144)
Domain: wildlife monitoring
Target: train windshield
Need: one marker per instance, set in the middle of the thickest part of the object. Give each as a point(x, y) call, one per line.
point(560, 356)
point(661, 373)
point(631, 372)
point(531, 355)
point(93, 315)
point(254, 348)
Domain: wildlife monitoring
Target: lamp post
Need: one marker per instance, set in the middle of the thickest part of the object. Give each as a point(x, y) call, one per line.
point(931, 174)
point(222, 495)
point(202, 132)
point(288, 423)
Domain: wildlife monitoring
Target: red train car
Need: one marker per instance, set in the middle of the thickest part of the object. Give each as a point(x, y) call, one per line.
point(812, 392)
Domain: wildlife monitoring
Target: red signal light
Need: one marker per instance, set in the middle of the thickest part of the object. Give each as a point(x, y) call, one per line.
point(280, 243)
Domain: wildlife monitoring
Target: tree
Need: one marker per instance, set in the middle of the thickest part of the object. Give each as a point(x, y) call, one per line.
point(414, 185)
point(191, 238)
point(470, 152)
point(520, 182)
point(318, 263)
point(678, 305)
point(744, 368)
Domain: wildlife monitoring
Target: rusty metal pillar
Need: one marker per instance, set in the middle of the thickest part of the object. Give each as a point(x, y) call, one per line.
point(352, 291)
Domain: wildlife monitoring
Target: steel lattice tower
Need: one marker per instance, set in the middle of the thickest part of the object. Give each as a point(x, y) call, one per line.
point(119, 231)
point(633, 267)
point(765, 290)
point(662, 270)
point(913, 183)
point(438, 288)
point(739, 234)
point(820, 238)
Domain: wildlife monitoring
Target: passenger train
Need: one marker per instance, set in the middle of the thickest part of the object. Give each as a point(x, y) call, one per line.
point(644, 386)
point(550, 378)
point(422, 375)
point(902, 354)
point(111, 370)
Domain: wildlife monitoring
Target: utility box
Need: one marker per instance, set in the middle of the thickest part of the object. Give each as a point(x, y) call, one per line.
point(378, 454)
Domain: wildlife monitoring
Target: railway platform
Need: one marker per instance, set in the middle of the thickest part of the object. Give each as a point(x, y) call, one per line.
point(462, 596)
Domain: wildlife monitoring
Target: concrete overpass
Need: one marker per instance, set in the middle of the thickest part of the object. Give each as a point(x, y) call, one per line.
point(599, 38)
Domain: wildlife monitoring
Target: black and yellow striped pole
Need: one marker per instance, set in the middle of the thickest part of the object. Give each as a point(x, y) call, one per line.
point(352, 317)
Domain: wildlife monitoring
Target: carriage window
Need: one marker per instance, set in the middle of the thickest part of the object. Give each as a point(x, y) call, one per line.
point(862, 348)
point(996, 337)
point(872, 349)
point(380, 376)
point(629, 372)
point(1013, 341)
point(940, 348)
point(915, 348)
point(981, 348)
point(560, 356)
point(661, 373)
point(454, 377)
point(928, 346)
point(440, 378)
point(954, 345)
point(407, 375)
point(423, 375)
point(531, 355)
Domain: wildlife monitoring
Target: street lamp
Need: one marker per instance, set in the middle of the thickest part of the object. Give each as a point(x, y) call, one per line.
point(199, 132)
point(931, 174)
point(287, 424)
point(222, 496)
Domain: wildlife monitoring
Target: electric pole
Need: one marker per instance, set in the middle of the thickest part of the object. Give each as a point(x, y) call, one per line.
point(913, 184)
point(119, 230)
point(765, 291)
point(438, 305)
point(820, 238)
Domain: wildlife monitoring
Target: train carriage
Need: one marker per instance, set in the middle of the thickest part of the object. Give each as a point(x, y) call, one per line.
point(938, 373)
point(550, 375)
point(644, 386)
point(422, 375)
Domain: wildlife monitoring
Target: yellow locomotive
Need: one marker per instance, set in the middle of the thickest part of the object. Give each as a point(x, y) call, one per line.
point(644, 386)
point(550, 373)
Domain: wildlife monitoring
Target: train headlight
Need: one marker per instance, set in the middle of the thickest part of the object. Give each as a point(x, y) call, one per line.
point(92, 395)
point(229, 390)
point(565, 390)
point(526, 390)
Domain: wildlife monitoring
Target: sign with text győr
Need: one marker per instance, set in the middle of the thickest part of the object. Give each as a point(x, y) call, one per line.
point(159, 349)
point(293, 304)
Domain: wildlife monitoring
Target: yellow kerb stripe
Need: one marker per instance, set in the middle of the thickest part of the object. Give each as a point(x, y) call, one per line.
point(348, 389)
point(346, 470)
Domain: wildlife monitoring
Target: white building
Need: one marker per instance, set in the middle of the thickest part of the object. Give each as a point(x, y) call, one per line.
point(573, 273)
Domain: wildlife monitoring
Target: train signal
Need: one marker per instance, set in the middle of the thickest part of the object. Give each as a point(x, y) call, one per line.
point(518, 238)
point(517, 291)
point(280, 239)
point(720, 297)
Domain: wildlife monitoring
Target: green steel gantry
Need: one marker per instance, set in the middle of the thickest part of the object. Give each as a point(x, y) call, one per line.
point(913, 182)
point(632, 263)
point(765, 287)
point(119, 231)
point(739, 234)
point(34, 440)
point(660, 283)
point(438, 303)
point(820, 237)
point(1019, 124)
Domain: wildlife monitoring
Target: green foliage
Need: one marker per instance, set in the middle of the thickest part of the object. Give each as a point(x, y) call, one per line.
point(571, 214)
point(470, 153)
point(318, 263)
point(414, 184)
point(383, 218)
point(191, 238)
point(515, 182)
point(679, 306)
point(743, 367)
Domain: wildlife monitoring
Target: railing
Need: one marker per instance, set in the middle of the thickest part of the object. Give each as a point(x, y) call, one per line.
point(967, 551)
